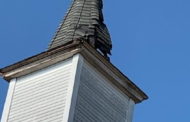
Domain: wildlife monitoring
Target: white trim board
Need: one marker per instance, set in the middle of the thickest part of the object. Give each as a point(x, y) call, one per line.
point(8, 101)
point(77, 63)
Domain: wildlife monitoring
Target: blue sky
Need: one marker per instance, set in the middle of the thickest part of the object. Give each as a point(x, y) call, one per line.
point(151, 41)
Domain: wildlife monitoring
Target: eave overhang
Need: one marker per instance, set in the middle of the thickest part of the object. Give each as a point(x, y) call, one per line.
point(58, 54)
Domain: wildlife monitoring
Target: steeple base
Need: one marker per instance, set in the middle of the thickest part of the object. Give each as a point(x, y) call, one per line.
point(69, 84)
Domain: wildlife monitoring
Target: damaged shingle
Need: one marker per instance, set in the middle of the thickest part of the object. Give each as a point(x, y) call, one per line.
point(84, 20)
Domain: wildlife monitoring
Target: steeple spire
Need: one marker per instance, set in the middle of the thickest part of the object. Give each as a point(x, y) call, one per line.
point(84, 21)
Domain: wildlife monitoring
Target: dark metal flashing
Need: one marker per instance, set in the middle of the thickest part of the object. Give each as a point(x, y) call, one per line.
point(37, 57)
point(58, 54)
point(130, 84)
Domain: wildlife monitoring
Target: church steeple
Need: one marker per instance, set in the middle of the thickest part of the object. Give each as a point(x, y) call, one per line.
point(84, 21)
point(71, 81)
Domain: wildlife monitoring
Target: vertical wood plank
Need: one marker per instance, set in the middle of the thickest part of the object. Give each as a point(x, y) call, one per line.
point(8, 101)
point(77, 63)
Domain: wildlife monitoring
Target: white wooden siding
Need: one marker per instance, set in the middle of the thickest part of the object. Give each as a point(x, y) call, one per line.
point(99, 101)
point(70, 91)
point(41, 96)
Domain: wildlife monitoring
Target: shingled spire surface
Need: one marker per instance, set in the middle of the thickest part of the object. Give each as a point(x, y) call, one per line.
point(84, 21)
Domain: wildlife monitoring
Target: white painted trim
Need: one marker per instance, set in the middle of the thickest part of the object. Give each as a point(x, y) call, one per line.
point(8, 101)
point(77, 63)
point(130, 110)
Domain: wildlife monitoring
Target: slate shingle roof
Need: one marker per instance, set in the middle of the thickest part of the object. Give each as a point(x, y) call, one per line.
point(84, 20)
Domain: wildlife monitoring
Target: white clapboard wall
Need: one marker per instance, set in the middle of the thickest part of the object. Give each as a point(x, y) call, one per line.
point(69, 91)
point(99, 101)
point(41, 96)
